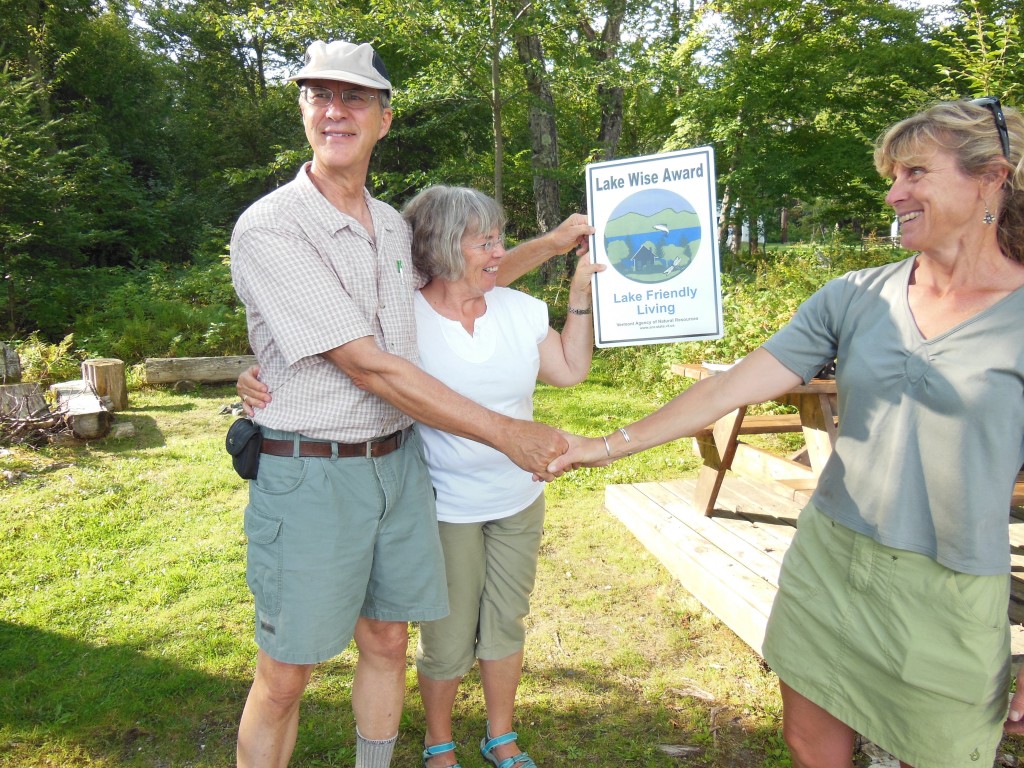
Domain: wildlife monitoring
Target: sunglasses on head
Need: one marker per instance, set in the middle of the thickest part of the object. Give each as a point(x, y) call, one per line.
point(992, 104)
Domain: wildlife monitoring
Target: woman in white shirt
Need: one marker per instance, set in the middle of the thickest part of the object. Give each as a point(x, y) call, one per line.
point(490, 344)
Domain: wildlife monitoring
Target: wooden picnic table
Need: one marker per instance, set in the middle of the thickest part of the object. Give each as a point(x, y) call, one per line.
point(721, 449)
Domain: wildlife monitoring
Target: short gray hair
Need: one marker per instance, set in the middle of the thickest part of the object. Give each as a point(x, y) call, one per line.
point(440, 216)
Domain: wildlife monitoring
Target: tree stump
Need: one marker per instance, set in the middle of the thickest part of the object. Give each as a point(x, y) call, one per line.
point(22, 401)
point(86, 414)
point(106, 374)
point(10, 365)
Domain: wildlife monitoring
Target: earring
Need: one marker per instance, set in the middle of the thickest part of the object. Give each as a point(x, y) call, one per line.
point(989, 218)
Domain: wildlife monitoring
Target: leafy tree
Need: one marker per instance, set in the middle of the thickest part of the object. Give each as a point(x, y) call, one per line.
point(39, 229)
point(985, 51)
point(791, 94)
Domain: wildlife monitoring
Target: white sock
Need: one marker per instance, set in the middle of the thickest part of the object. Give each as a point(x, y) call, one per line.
point(371, 753)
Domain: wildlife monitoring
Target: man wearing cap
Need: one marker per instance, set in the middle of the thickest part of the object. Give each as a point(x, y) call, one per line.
point(341, 528)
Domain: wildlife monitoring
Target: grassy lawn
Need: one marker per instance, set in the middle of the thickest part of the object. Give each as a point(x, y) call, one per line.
point(125, 621)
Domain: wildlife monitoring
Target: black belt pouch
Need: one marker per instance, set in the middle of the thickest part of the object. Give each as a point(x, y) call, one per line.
point(243, 442)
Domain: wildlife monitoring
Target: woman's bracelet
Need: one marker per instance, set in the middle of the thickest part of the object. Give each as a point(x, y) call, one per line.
point(574, 311)
point(625, 436)
point(607, 448)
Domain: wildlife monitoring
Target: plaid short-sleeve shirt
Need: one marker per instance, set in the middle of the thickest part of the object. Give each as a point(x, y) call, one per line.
point(313, 279)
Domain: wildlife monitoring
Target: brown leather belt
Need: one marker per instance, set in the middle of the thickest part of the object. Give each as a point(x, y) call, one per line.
point(371, 449)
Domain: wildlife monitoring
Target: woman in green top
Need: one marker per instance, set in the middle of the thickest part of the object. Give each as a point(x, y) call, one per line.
point(891, 616)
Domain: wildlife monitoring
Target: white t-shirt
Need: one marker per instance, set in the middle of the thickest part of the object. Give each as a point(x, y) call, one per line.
point(497, 367)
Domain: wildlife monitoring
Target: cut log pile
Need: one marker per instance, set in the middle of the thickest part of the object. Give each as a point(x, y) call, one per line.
point(24, 415)
point(84, 407)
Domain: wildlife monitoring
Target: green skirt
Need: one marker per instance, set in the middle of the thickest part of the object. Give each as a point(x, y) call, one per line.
point(908, 653)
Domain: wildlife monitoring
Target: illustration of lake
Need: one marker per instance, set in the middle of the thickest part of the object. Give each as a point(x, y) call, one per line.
point(652, 236)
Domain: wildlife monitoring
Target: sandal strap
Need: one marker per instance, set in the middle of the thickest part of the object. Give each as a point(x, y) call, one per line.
point(487, 747)
point(497, 741)
point(522, 759)
point(439, 749)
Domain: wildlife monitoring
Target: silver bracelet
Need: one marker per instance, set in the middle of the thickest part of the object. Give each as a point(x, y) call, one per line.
point(607, 447)
point(625, 434)
point(574, 311)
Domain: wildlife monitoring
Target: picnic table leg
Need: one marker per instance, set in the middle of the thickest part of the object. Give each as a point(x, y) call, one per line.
point(717, 450)
point(818, 416)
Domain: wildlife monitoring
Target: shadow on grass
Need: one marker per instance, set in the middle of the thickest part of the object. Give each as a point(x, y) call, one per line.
point(69, 703)
point(176, 408)
point(59, 695)
point(598, 717)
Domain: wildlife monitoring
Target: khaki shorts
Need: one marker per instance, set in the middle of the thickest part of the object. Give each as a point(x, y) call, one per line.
point(491, 568)
point(331, 540)
point(908, 653)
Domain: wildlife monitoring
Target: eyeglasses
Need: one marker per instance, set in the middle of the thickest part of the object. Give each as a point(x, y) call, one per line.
point(319, 96)
point(992, 104)
point(490, 244)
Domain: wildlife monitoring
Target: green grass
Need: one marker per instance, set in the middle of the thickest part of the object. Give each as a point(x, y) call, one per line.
point(125, 621)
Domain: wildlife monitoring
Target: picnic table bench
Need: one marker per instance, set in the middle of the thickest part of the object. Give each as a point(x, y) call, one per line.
point(721, 449)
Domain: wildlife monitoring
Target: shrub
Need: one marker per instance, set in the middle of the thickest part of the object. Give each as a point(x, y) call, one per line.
point(165, 310)
point(49, 363)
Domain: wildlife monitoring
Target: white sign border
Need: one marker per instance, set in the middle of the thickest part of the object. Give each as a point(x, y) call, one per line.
point(606, 332)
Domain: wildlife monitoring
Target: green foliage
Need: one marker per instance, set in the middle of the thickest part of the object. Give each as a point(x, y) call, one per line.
point(163, 310)
point(985, 51)
point(132, 134)
point(760, 297)
point(792, 94)
point(49, 363)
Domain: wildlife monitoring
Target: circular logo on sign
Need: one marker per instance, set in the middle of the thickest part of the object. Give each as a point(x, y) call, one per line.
point(652, 236)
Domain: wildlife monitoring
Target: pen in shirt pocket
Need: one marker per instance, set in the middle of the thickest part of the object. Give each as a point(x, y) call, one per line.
point(399, 265)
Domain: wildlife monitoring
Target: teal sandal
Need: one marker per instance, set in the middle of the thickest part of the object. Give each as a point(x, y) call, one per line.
point(487, 745)
point(439, 749)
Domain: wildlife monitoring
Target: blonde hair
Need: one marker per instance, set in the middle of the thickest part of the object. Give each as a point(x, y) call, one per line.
point(968, 131)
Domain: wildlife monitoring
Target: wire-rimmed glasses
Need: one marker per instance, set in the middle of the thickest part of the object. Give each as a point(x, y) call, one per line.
point(318, 96)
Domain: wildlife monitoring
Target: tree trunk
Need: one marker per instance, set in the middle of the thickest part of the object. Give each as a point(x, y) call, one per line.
point(543, 138)
point(21, 401)
point(10, 365)
point(784, 225)
point(737, 228)
point(36, 21)
point(610, 96)
point(86, 414)
point(611, 100)
point(724, 215)
point(499, 143)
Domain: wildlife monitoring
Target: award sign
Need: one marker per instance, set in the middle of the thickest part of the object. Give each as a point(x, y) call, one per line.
point(654, 218)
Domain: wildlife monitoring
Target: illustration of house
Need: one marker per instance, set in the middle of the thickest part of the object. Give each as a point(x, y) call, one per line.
point(643, 260)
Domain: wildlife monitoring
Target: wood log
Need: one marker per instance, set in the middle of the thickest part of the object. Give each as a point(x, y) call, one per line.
point(10, 365)
point(168, 370)
point(88, 416)
point(106, 374)
point(22, 401)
